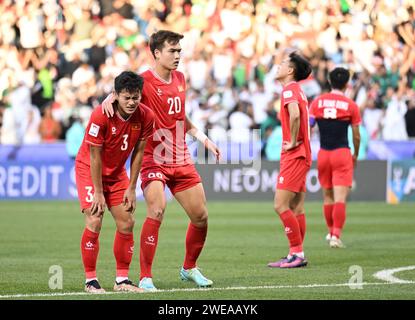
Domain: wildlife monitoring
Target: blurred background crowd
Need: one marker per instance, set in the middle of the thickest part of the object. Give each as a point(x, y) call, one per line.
point(58, 60)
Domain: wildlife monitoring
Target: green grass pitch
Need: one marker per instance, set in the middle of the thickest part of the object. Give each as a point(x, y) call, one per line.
point(243, 237)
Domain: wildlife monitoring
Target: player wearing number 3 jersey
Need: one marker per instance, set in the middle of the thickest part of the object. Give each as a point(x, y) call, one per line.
point(102, 180)
point(334, 112)
point(167, 161)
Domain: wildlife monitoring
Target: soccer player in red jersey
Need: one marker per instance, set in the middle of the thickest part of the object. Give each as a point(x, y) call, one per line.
point(167, 160)
point(334, 112)
point(102, 180)
point(295, 158)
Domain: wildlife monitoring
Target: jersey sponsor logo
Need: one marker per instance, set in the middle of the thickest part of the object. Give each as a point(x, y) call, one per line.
point(93, 130)
point(135, 126)
point(287, 94)
point(180, 88)
point(159, 92)
point(114, 130)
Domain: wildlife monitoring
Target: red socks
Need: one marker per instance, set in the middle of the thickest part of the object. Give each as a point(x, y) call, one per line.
point(301, 224)
point(89, 251)
point(148, 245)
point(328, 214)
point(292, 230)
point(123, 252)
point(195, 240)
point(339, 217)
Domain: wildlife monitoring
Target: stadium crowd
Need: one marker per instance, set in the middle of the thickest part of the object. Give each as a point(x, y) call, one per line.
point(58, 60)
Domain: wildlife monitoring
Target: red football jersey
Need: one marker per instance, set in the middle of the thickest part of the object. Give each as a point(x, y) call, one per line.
point(167, 100)
point(334, 112)
point(117, 137)
point(292, 93)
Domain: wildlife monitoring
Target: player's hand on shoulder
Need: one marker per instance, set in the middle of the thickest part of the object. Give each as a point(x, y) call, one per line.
point(106, 105)
point(129, 200)
point(287, 146)
point(98, 204)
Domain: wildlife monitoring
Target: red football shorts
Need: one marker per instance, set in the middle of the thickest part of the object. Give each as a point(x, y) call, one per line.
point(177, 178)
point(113, 190)
point(293, 175)
point(335, 168)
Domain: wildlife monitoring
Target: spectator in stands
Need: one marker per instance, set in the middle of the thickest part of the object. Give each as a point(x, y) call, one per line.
point(74, 136)
point(50, 129)
point(228, 47)
point(410, 118)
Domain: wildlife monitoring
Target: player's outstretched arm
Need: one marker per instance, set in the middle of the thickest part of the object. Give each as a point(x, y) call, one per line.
point(98, 200)
point(129, 199)
point(356, 143)
point(199, 135)
point(294, 112)
point(106, 105)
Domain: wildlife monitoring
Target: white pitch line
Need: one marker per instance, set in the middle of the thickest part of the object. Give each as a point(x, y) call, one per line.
point(387, 275)
point(317, 285)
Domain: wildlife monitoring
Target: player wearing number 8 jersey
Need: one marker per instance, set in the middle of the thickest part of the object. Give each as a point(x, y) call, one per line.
point(167, 161)
point(334, 112)
point(295, 158)
point(101, 178)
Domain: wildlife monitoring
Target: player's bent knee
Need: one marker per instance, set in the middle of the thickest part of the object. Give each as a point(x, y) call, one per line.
point(200, 219)
point(126, 226)
point(156, 213)
point(280, 208)
point(93, 223)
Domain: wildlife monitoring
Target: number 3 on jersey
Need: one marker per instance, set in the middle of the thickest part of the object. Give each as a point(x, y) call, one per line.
point(125, 142)
point(175, 105)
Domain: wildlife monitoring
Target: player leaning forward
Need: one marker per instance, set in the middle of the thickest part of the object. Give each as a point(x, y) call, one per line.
point(295, 158)
point(167, 160)
point(102, 180)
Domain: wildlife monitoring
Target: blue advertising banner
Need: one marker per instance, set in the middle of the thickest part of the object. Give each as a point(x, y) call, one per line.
point(41, 172)
point(401, 181)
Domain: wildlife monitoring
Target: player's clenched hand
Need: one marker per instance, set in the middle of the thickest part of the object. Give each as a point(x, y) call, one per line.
point(213, 148)
point(286, 146)
point(98, 204)
point(129, 200)
point(107, 105)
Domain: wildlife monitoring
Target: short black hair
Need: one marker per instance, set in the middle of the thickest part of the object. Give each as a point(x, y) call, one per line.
point(302, 68)
point(158, 38)
point(128, 80)
point(339, 77)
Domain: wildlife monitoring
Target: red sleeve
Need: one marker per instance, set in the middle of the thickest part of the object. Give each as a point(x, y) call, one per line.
point(290, 94)
point(312, 110)
point(355, 119)
point(96, 129)
point(147, 123)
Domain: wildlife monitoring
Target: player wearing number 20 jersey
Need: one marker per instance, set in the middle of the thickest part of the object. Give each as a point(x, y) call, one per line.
point(166, 156)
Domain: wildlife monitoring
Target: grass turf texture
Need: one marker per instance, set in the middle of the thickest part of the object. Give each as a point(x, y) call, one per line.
point(242, 239)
